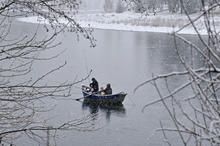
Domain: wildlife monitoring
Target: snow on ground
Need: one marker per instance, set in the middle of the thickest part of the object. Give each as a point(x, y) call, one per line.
point(128, 21)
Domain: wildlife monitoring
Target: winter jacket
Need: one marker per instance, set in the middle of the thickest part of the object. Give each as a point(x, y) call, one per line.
point(94, 85)
point(108, 90)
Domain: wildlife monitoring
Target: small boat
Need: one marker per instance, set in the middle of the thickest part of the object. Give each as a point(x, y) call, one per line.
point(100, 98)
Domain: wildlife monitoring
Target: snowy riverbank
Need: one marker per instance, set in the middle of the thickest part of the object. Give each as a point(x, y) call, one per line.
point(163, 22)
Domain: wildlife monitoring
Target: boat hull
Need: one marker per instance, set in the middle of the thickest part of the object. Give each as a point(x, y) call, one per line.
point(106, 99)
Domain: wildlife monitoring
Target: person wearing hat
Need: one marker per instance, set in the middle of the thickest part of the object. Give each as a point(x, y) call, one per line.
point(108, 89)
point(94, 85)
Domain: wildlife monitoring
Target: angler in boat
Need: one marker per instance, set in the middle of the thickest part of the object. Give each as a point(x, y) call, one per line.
point(107, 90)
point(94, 85)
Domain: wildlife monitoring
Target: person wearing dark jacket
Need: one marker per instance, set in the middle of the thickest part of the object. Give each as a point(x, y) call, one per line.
point(94, 85)
point(108, 89)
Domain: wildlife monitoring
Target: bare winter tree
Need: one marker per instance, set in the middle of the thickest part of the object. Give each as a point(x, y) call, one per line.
point(195, 115)
point(20, 96)
point(135, 5)
point(120, 7)
point(108, 6)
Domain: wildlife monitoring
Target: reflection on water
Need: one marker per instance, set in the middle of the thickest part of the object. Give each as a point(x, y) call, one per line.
point(108, 110)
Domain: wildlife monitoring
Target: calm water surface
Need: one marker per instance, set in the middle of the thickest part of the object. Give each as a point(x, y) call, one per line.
point(124, 59)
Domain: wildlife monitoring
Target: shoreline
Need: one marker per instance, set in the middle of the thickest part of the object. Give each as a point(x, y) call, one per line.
point(129, 22)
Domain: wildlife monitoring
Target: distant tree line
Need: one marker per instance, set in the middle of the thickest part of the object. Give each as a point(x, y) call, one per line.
point(173, 6)
point(114, 6)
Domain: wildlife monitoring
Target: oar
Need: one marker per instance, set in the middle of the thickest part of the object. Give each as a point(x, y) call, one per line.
point(77, 99)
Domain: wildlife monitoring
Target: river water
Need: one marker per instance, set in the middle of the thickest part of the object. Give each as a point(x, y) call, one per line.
point(124, 59)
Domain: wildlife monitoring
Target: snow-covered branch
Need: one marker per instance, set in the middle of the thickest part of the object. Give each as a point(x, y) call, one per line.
point(195, 115)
